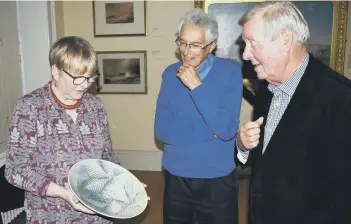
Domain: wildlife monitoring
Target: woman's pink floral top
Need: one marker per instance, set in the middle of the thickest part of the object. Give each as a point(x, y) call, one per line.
point(45, 143)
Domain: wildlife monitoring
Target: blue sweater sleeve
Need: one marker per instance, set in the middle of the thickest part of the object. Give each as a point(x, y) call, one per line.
point(170, 128)
point(221, 116)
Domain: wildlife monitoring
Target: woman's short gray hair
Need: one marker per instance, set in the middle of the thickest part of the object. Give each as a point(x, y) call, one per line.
point(198, 18)
point(277, 16)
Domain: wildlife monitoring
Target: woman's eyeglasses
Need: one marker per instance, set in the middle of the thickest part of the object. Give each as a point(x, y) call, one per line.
point(78, 80)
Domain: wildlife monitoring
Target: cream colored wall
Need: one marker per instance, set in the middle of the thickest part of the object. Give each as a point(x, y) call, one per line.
point(60, 26)
point(132, 116)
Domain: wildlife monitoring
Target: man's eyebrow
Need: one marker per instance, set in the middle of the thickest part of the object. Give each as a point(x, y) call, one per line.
point(190, 42)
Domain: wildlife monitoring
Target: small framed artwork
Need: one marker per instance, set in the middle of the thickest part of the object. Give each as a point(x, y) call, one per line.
point(122, 72)
point(119, 18)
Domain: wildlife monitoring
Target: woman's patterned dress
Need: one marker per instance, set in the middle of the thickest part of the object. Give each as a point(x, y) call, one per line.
point(45, 143)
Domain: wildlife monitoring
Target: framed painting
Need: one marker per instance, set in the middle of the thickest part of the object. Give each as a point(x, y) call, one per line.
point(328, 32)
point(122, 72)
point(119, 18)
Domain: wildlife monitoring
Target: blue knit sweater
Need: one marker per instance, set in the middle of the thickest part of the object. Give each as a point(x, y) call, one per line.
point(188, 121)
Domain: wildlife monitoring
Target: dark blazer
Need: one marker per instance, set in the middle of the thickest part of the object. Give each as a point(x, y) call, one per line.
point(304, 175)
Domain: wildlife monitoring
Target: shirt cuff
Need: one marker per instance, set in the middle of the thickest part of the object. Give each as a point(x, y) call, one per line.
point(43, 187)
point(242, 156)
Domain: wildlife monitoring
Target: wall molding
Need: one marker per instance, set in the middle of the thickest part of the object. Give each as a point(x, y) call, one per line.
point(140, 159)
point(35, 69)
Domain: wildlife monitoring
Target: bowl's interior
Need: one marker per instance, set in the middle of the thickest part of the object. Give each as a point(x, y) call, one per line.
point(107, 188)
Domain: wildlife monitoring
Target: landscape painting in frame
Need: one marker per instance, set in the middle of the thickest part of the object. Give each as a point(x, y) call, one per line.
point(122, 72)
point(326, 23)
point(119, 18)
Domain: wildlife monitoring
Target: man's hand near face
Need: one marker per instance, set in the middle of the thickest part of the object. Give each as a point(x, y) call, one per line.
point(188, 75)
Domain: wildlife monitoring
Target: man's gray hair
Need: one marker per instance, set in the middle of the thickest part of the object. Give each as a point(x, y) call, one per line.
point(198, 18)
point(278, 16)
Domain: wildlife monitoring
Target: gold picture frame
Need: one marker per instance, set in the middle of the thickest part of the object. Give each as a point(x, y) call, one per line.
point(338, 32)
point(122, 72)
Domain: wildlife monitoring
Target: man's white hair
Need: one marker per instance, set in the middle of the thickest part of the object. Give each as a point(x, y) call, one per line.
point(198, 18)
point(278, 16)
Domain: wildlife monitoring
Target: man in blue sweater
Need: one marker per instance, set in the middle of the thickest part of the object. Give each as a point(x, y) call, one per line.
point(197, 118)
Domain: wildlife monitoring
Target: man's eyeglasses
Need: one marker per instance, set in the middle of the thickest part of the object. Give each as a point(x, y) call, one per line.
point(195, 48)
point(81, 79)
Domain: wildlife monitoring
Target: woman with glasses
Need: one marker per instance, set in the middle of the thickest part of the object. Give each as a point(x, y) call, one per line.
point(54, 127)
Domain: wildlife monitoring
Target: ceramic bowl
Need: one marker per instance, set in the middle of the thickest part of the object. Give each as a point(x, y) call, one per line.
point(107, 188)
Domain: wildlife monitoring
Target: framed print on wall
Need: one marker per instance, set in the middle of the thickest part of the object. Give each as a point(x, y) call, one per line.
point(119, 18)
point(122, 72)
point(328, 32)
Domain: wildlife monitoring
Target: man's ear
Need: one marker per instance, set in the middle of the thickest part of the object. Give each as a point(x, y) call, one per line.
point(288, 39)
point(213, 46)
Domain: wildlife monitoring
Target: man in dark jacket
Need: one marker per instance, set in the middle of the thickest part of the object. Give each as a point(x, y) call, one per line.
point(299, 144)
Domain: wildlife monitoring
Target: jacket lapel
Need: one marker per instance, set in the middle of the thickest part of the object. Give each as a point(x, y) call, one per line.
point(299, 104)
point(263, 101)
